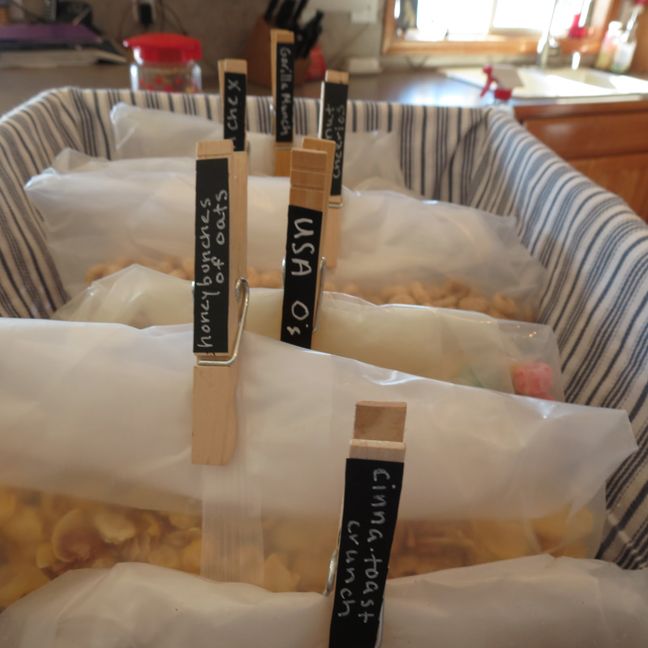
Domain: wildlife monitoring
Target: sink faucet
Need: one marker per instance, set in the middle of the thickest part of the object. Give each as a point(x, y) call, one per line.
point(546, 42)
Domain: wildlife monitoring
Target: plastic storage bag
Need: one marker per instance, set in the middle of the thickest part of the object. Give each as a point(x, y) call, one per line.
point(370, 159)
point(145, 133)
point(457, 346)
point(103, 215)
point(103, 412)
point(532, 602)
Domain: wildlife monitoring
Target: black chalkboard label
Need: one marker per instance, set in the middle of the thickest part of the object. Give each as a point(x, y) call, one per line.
point(233, 96)
point(211, 285)
point(285, 89)
point(371, 496)
point(300, 280)
point(333, 127)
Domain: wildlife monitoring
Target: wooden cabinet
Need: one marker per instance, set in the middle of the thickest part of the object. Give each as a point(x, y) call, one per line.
point(608, 142)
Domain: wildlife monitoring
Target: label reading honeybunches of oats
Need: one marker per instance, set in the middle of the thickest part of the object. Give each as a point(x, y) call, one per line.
point(211, 283)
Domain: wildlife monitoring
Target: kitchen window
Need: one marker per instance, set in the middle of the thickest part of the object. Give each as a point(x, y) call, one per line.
point(488, 26)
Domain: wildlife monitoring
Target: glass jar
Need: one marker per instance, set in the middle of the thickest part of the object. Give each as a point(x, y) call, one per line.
point(165, 63)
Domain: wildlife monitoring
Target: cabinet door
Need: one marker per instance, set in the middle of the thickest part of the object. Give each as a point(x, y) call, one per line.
point(625, 175)
point(592, 136)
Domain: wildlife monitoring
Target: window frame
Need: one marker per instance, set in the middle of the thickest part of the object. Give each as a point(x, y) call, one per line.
point(507, 43)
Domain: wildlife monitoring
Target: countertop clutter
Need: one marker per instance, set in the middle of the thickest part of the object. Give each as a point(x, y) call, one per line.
point(295, 356)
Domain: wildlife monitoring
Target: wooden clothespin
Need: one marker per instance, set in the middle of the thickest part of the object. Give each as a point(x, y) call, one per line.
point(332, 126)
point(373, 482)
point(220, 297)
point(328, 147)
point(302, 263)
point(282, 55)
point(232, 80)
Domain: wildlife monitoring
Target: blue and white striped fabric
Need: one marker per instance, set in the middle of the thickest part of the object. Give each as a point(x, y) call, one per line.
point(595, 248)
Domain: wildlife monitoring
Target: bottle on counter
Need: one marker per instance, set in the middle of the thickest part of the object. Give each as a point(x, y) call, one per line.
point(165, 63)
point(628, 40)
point(609, 46)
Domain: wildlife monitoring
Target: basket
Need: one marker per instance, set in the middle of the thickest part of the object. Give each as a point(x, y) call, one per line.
point(594, 246)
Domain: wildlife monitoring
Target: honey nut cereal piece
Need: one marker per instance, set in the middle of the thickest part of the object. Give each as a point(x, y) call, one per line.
point(330, 286)
point(493, 312)
point(123, 262)
point(473, 303)
point(44, 556)
point(434, 292)
point(446, 302)
point(8, 502)
point(190, 556)
point(410, 540)
point(503, 539)
point(96, 272)
point(389, 291)
point(252, 276)
point(271, 279)
point(181, 538)
point(150, 524)
point(402, 298)
point(114, 528)
point(54, 507)
point(504, 305)
point(574, 550)
point(164, 556)
point(16, 580)
point(277, 577)
point(104, 561)
point(24, 527)
point(291, 536)
point(352, 288)
point(562, 528)
point(183, 521)
point(418, 291)
point(165, 266)
point(454, 287)
point(312, 570)
point(136, 549)
point(188, 266)
point(74, 538)
point(372, 297)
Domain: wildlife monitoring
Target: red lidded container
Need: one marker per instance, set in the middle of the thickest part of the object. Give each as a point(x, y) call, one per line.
point(165, 62)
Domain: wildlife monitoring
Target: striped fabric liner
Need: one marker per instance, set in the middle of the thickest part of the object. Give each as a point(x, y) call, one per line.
point(595, 248)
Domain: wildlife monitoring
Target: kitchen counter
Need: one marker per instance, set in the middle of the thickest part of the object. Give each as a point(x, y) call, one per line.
point(418, 87)
point(410, 86)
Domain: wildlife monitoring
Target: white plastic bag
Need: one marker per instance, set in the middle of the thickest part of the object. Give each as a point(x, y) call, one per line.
point(147, 133)
point(393, 248)
point(102, 412)
point(141, 132)
point(532, 602)
point(371, 159)
point(460, 347)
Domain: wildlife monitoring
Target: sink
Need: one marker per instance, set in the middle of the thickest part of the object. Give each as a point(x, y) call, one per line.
point(560, 82)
